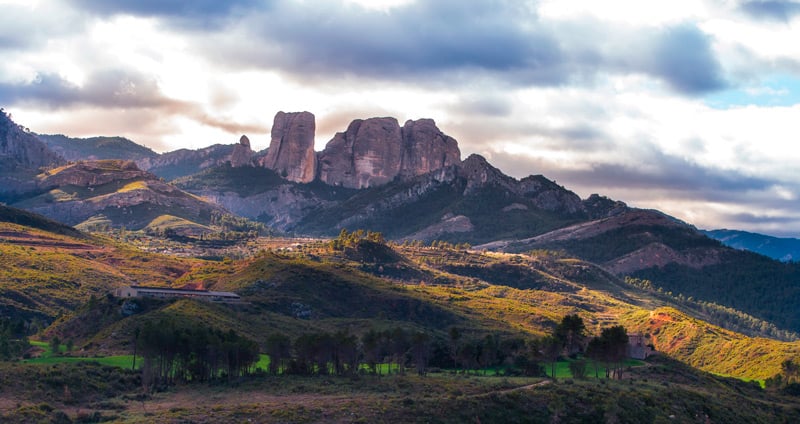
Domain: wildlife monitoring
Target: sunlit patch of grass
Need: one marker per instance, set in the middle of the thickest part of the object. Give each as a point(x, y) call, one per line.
point(133, 186)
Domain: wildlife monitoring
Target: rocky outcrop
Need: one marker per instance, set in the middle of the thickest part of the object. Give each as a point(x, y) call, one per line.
point(368, 154)
point(291, 150)
point(92, 173)
point(242, 155)
point(20, 148)
point(374, 151)
point(426, 148)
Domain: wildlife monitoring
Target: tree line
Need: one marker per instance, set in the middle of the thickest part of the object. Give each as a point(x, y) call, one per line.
point(342, 353)
point(13, 339)
point(173, 352)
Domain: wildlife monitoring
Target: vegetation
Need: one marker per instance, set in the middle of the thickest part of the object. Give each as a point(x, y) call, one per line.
point(174, 352)
point(746, 281)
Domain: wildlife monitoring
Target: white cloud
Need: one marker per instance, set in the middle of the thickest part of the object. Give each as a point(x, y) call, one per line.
point(602, 103)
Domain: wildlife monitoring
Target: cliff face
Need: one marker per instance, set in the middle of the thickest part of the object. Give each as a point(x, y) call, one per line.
point(291, 150)
point(426, 148)
point(366, 155)
point(20, 148)
point(374, 151)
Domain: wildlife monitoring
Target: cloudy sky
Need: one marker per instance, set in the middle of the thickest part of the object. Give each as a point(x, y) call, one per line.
point(690, 107)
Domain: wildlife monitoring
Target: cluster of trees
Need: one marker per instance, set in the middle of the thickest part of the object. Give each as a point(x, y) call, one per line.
point(437, 244)
point(233, 223)
point(347, 239)
point(342, 353)
point(173, 352)
point(13, 339)
point(610, 349)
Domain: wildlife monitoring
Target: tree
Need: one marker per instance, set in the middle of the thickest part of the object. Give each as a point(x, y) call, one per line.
point(420, 351)
point(611, 348)
point(136, 333)
point(551, 350)
point(455, 336)
point(55, 345)
point(578, 369)
point(279, 349)
point(571, 333)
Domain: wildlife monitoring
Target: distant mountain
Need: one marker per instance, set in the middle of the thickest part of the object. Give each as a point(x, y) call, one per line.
point(111, 193)
point(21, 156)
point(782, 249)
point(94, 148)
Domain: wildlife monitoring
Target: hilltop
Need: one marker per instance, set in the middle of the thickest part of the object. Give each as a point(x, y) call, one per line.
point(111, 193)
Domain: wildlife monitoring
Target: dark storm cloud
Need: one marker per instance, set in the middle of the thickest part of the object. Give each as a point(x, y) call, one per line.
point(434, 43)
point(111, 88)
point(772, 10)
point(683, 57)
point(450, 43)
point(411, 41)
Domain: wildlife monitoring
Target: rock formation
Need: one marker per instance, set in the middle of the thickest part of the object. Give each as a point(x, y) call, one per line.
point(368, 154)
point(242, 155)
point(291, 150)
point(426, 148)
point(374, 151)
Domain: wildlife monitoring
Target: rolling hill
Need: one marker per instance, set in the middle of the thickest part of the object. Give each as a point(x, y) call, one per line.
point(49, 269)
point(111, 193)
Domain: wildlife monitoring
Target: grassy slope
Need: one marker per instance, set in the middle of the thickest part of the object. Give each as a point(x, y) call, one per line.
point(339, 296)
point(45, 274)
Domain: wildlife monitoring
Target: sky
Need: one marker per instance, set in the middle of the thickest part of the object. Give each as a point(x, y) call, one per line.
point(689, 107)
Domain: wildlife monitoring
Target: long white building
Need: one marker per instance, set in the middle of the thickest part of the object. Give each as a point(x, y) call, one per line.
point(164, 292)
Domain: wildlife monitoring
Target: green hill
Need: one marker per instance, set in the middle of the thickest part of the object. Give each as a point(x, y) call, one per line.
point(95, 148)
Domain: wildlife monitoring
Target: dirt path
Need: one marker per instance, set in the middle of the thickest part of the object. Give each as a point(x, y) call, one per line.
point(514, 389)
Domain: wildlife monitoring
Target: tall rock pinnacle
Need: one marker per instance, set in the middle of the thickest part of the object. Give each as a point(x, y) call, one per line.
point(242, 155)
point(291, 151)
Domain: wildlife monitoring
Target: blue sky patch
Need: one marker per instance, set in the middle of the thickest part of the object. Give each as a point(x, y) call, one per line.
point(775, 90)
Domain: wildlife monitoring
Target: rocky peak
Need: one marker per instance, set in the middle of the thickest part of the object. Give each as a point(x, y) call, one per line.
point(374, 151)
point(426, 148)
point(479, 173)
point(368, 154)
point(242, 155)
point(291, 150)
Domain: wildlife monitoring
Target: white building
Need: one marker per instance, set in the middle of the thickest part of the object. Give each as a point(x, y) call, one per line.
point(163, 292)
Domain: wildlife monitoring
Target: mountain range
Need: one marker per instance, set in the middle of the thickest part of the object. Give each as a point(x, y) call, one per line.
point(407, 182)
point(472, 248)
